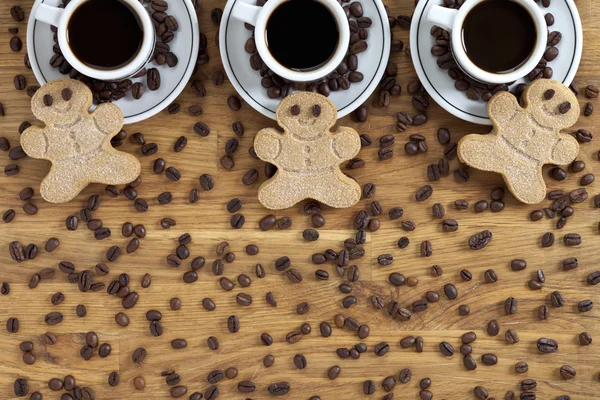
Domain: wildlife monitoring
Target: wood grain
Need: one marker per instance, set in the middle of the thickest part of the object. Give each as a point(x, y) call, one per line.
point(208, 223)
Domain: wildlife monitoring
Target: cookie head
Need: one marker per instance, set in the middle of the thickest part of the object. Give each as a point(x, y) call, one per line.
point(60, 101)
point(551, 104)
point(306, 115)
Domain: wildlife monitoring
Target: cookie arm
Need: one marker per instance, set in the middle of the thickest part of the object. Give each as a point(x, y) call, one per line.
point(565, 150)
point(503, 107)
point(267, 144)
point(34, 142)
point(346, 143)
point(108, 118)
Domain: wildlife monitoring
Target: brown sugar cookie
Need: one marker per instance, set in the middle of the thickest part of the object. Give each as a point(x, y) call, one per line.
point(524, 139)
point(76, 141)
point(307, 155)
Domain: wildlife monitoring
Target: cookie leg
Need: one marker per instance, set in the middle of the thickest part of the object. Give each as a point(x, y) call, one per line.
point(280, 192)
point(113, 169)
point(337, 191)
point(526, 184)
point(63, 183)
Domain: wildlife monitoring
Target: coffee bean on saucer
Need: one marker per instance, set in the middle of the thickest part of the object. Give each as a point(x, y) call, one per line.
point(153, 79)
point(137, 90)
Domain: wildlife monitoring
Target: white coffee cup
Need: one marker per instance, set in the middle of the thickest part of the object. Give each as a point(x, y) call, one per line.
point(258, 17)
point(452, 20)
point(60, 17)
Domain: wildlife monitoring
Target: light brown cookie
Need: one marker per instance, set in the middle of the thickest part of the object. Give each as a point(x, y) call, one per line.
point(307, 155)
point(524, 139)
point(76, 141)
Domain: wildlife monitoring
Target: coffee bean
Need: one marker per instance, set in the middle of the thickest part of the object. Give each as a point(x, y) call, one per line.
point(572, 239)
point(426, 248)
point(279, 388)
point(381, 349)
point(446, 349)
point(153, 75)
point(234, 103)
point(30, 208)
point(17, 13)
point(545, 345)
point(585, 339)
point(266, 339)
point(585, 305)
point(404, 376)
point(137, 90)
point(19, 82)
point(567, 372)
point(469, 363)
point(21, 386)
point(233, 324)
point(15, 44)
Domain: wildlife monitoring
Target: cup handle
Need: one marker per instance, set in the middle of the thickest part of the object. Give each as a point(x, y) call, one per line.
point(48, 14)
point(442, 17)
point(246, 12)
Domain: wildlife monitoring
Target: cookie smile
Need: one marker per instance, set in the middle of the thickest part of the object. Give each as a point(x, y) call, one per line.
point(305, 122)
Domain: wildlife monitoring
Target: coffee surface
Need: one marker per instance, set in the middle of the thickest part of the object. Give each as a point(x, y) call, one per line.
point(498, 35)
point(302, 34)
point(104, 34)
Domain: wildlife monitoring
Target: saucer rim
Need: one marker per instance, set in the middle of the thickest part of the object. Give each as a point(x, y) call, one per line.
point(347, 109)
point(154, 109)
point(451, 107)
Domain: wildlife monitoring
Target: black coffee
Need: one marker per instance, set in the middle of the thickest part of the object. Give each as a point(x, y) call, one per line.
point(499, 35)
point(302, 34)
point(104, 34)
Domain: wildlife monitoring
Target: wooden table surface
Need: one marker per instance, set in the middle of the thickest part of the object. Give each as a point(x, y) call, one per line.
point(208, 223)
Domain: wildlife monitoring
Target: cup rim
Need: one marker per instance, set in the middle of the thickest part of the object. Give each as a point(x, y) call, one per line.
point(130, 68)
point(334, 61)
point(534, 58)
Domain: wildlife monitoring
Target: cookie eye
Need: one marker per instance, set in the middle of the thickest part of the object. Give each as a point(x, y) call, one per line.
point(66, 94)
point(316, 110)
point(548, 94)
point(48, 100)
point(564, 107)
point(295, 110)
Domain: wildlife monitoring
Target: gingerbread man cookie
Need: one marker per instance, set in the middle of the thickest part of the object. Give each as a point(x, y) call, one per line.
point(76, 141)
point(525, 138)
point(307, 155)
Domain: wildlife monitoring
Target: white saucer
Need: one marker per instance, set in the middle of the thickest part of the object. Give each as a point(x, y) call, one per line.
point(440, 86)
point(246, 81)
point(173, 80)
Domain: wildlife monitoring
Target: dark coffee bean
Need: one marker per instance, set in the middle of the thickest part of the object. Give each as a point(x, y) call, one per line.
point(19, 82)
point(545, 345)
point(426, 248)
point(12, 325)
point(572, 239)
point(234, 103)
point(446, 349)
point(585, 305)
point(381, 349)
point(469, 363)
point(21, 386)
point(233, 324)
point(53, 318)
point(480, 392)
